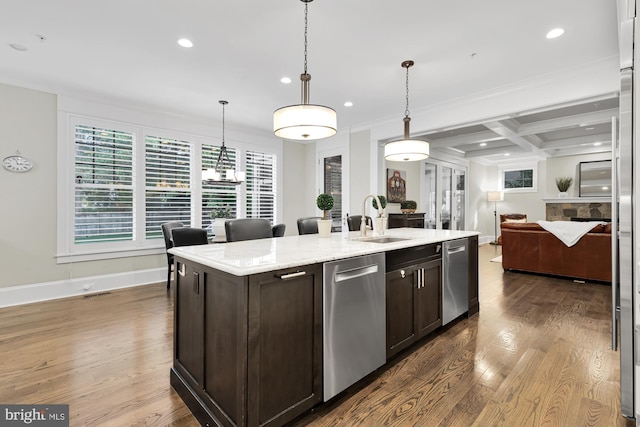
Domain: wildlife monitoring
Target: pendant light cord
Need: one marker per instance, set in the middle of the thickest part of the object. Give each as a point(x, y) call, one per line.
point(306, 24)
point(223, 104)
point(406, 110)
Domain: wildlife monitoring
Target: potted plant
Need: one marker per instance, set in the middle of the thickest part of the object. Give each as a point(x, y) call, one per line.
point(408, 206)
point(220, 214)
point(325, 204)
point(381, 218)
point(563, 185)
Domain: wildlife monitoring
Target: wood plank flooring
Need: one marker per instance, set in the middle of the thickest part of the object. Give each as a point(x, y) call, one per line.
point(537, 354)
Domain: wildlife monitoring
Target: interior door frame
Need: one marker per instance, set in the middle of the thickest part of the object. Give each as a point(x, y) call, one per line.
point(336, 146)
point(440, 164)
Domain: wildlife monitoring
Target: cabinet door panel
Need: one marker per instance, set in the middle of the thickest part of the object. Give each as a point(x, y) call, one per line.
point(285, 346)
point(429, 310)
point(225, 345)
point(401, 325)
point(189, 321)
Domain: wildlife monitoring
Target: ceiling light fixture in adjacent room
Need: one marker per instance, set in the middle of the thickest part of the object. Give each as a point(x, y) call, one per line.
point(224, 171)
point(185, 43)
point(406, 149)
point(305, 122)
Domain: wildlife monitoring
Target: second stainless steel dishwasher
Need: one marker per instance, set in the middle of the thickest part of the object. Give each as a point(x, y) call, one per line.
point(354, 320)
point(455, 283)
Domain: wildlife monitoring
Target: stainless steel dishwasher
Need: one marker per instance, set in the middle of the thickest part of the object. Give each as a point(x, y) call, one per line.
point(354, 320)
point(455, 283)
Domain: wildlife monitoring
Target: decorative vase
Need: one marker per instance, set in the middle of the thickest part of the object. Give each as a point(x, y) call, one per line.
point(217, 226)
point(563, 195)
point(324, 228)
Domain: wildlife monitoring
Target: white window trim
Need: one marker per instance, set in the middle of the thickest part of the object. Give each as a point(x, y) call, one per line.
point(72, 111)
point(533, 167)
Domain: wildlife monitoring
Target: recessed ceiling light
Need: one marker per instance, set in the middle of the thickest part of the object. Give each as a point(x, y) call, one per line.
point(185, 43)
point(507, 154)
point(597, 144)
point(556, 32)
point(348, 104)
point(285, 80)
point(604, 188)
point(483, 144)
point(18, 47)
point(589, 128)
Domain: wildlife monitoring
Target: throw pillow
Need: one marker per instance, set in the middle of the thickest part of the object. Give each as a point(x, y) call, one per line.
point(515, 220)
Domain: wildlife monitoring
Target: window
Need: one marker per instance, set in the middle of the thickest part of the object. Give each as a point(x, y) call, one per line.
point(167, 183)
point(261, 185)
point(119, 182)
point(217, 200)
point(104, 203)
point(519, 179)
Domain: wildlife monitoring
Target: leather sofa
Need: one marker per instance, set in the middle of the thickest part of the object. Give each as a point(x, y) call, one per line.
point(529, 247)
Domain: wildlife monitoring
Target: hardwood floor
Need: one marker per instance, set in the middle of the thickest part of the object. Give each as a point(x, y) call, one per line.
point(536, 354)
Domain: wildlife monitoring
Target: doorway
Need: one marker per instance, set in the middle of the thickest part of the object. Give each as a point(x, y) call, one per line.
point(444, 194)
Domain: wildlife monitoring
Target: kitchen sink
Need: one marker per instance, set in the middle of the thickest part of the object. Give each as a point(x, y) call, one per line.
point(381, 239)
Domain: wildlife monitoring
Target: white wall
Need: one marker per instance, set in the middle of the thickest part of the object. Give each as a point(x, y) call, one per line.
point(558, 167)
point(413, 178)
point(29, 200)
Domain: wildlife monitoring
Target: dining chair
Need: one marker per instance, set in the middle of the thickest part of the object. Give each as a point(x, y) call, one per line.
point(278, 230)
point(189, 236)
point(168, 243)
point(308, 225)
point(247, 229)
point(353, 222)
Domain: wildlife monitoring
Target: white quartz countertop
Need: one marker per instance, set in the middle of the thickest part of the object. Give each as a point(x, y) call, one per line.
point(259, 256)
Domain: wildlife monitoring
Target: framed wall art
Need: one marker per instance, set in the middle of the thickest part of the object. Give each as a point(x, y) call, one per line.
point(396, 185)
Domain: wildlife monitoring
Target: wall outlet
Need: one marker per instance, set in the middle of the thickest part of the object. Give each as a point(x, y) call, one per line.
point(87, 286)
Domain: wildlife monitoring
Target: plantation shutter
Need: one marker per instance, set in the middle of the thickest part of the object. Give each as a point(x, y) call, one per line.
point(220, 200)
point(261, 185)
point(103, 185)
point(167, 183)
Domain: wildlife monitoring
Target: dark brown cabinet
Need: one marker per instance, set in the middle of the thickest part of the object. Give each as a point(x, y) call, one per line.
point(248, 350)
point(412, 220)
point(414, 296)
point(474, 304)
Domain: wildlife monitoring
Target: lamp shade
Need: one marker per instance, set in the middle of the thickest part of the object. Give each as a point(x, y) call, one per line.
point(406, 150)
point(495, 196)
point(305, 122)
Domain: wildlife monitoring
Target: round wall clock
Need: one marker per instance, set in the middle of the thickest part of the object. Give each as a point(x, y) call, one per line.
point(17, 163)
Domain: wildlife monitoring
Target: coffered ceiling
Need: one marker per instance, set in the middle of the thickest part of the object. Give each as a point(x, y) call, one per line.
point(126, 53)
point(580, 127)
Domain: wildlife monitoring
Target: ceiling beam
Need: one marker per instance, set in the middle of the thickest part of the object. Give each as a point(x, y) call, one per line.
point(470, 138)
point(500, 151)
point(581, 150)
point(586, 119)
point(509, 129)
point(577, 141)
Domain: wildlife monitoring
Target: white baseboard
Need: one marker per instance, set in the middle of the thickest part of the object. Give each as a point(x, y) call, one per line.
point(25, 294)
point(485, 240)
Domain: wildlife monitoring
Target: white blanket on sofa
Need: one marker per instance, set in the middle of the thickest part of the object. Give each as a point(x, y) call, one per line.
point(569, 231)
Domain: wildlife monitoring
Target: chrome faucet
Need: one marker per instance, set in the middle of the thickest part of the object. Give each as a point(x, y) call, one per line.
point(363, 221)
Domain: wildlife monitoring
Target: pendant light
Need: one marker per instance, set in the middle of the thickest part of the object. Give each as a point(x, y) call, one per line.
point(305, 122)
point(224, 171)
point(406, 149)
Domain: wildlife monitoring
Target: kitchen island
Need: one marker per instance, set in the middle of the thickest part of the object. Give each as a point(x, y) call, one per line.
point(248, 324)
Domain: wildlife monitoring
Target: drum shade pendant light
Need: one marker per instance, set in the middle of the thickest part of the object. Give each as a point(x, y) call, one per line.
point(224, 171)
point(406, 149)
point(305, 122)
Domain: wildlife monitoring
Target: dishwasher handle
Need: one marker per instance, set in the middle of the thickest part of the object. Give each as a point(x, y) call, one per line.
point(456, 250)
point(353, 273)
